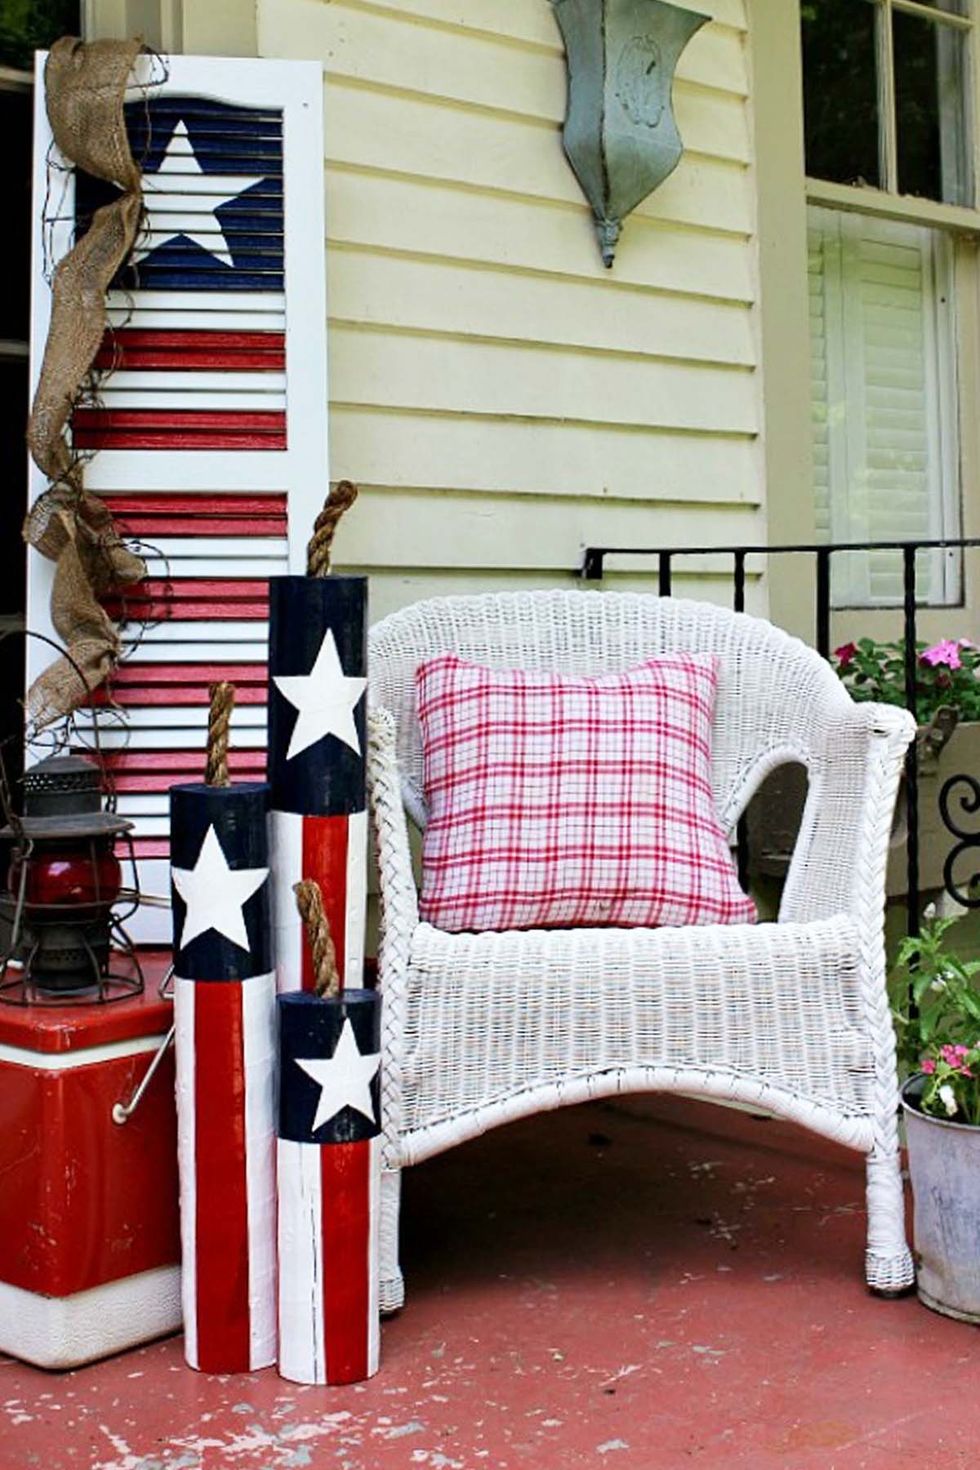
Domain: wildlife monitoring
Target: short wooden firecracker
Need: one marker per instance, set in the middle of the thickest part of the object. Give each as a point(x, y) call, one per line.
point(225, 1017)
point(317, 739)
point(329, 1170)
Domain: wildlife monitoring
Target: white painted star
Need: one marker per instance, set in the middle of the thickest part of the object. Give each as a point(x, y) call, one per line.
point(325, 700)
point(344, 1080)
point(215, 894)
point(170, 213)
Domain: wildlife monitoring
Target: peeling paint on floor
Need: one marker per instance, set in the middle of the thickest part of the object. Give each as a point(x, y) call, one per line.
point(690, 1291)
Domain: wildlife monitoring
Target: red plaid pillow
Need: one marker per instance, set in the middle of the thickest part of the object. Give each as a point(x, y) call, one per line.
point(558, 800)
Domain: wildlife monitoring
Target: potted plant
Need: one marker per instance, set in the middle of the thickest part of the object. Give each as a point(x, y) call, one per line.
point(936, 1006)
point(947, 699)
point(948, 714)
point(947, 675)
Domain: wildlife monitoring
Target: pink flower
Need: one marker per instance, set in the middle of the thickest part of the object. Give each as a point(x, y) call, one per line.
point(928, 1065)
point(845, 654)
point(947, 652)
point(955, 1057)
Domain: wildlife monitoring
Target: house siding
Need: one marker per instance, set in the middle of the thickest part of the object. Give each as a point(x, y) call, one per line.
point(501, 399)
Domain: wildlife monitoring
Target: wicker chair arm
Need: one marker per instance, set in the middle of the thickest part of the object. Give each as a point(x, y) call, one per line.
point(838, 864)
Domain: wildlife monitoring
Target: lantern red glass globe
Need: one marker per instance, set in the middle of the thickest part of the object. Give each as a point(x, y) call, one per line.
point(63, 879)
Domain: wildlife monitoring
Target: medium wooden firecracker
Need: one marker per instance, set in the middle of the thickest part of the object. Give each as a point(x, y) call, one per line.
point(329, 1170)
point(225, 1017)
point(317, 740)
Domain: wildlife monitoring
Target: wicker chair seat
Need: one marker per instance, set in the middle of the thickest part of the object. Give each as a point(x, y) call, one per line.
point(546, 1017)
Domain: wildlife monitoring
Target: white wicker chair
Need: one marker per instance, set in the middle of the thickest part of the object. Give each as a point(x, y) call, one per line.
point(480, 1029)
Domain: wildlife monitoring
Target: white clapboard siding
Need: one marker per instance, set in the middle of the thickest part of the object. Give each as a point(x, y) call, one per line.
point(882, 354)
point(208, 433)
point(500, 397)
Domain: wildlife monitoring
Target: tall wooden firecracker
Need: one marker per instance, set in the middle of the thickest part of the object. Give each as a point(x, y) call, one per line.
point(225, 1017)
point(329, 1169)
point(317, 737)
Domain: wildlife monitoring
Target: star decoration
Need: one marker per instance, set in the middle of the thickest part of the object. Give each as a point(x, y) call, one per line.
point(344, 1079)
point(165, 192)
point(325, 700)
point(215, 894)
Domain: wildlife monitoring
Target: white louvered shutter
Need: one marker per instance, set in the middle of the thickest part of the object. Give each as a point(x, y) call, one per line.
point(209, 441)
point(884, 401)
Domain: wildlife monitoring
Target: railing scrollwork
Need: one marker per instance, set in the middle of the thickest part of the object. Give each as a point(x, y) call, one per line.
point(967, 841)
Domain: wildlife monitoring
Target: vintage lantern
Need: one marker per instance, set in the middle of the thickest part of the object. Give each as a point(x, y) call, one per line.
point(63, 880)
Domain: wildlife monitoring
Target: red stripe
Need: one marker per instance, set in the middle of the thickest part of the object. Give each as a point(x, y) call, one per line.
point(134, 349)
point(132, 428)
point(325, 859)
point(152, 516)
point(345, 1185)
point(183, 684)
point(151, 847)
point(221, 1230)
point(192, 599)
point(157, 770)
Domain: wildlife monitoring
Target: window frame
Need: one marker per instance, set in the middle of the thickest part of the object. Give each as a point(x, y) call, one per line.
point(885, 198)
point(885, 11)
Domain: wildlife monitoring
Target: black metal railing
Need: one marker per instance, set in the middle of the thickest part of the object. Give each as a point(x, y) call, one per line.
point(594, 567)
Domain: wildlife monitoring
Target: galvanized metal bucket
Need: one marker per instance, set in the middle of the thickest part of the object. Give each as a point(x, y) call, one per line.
point(944, 1164)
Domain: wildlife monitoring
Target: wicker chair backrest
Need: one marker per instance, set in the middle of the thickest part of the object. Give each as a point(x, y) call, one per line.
point(775, 694)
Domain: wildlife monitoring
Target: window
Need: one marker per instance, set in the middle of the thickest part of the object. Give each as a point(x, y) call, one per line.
point(887, 98)
point(888, 115)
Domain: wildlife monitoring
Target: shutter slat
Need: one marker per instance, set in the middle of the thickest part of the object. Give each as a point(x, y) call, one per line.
point(96, 428)
point(216, 515)
point(134, 349)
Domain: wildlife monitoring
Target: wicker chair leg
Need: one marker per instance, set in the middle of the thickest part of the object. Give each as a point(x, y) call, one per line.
point(392, 1285)
point(889, 1267)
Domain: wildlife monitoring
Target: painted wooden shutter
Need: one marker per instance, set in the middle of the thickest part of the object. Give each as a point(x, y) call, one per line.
point(209, 438)
point(884, 400)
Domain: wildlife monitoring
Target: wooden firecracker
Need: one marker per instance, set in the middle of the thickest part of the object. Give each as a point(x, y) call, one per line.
point(329, 1169)
point(225, 1018)
point(317, 739)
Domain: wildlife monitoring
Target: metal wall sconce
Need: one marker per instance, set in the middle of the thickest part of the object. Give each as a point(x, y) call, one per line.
point(620, 135)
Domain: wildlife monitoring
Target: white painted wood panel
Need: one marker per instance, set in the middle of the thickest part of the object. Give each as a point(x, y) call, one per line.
point(425, 529)
point(713, 124)
point(388, 49)
point(381, 288)
point(443, 374)
point(443, 222)
point(532, 24)
point(452, 451)
point(396, 135)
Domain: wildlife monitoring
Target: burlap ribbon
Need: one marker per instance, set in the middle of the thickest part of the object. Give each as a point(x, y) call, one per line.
point(84, 89)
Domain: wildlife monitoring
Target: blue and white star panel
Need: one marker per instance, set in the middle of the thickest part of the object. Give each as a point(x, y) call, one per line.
point(329, 1177)
point(317, 743)
point(209, 437)
point(225, 1017)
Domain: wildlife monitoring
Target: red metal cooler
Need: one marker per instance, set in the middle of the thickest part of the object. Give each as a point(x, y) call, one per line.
point(89, 1229)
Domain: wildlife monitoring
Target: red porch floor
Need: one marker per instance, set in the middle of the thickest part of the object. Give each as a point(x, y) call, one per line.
point(643, 1285)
